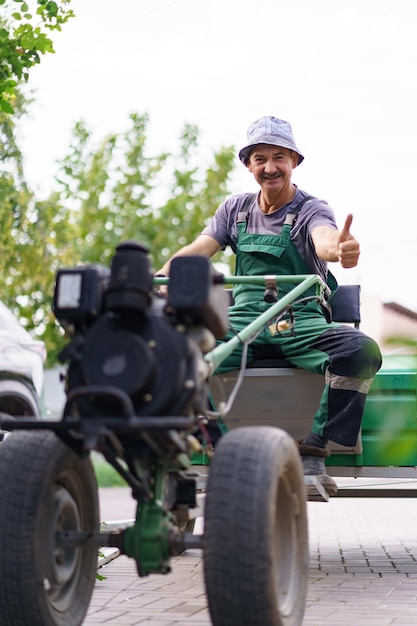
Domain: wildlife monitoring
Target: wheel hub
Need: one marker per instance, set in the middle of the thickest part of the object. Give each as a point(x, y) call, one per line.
point(64, 558)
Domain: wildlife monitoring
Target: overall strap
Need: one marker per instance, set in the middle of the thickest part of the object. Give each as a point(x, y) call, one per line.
point(291, 217)
point(243, 213)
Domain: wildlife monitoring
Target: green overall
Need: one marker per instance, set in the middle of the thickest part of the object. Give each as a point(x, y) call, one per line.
point(345, 356)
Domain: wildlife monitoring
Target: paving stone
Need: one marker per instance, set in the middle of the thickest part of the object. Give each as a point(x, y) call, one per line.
point(363, 572)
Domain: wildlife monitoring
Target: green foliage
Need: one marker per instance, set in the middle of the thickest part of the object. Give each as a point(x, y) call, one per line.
point(118, 191)
point(24, 37)
point(106, 474)
point(106, 192)
point(15, 196)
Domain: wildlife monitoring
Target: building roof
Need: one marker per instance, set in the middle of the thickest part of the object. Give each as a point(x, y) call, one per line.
point(401, 310)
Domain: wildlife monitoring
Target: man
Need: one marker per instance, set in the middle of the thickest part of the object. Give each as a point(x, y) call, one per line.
point(282, 230)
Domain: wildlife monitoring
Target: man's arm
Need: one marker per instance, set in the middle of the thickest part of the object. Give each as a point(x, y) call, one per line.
point(337, 245)
point(204, 245)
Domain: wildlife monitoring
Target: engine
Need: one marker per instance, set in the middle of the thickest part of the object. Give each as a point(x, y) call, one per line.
point(128, 341)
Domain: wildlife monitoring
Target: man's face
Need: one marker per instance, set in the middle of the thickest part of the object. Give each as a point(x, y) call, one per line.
point(272, 166)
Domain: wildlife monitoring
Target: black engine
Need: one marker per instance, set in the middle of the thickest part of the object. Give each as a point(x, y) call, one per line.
point(127, 341)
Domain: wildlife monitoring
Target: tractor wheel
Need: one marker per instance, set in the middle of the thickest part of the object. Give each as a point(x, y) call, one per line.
point(45, 488)
point(256, 534)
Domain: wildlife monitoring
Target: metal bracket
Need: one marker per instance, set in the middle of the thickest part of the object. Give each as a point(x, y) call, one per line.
point(271, 289)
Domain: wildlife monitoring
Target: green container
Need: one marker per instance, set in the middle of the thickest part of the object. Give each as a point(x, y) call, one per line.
point(389, 427)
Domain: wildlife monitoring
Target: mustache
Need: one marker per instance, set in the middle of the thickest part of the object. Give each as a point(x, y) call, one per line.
point(270, 176)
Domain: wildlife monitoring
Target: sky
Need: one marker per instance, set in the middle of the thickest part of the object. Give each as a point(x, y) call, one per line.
point(343, 73)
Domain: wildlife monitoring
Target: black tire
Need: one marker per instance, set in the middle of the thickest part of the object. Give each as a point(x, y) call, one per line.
point(44, 488)
point(256, 533)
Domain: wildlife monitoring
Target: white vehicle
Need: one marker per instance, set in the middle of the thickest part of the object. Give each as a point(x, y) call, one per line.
point(21, 368)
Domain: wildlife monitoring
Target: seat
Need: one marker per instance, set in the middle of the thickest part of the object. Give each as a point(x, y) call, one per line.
point(346, 305)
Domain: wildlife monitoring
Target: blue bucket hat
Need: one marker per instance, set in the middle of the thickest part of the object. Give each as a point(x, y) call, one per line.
point(271, 131)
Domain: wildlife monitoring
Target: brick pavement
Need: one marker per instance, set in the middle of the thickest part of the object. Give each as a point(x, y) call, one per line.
point(363, 572)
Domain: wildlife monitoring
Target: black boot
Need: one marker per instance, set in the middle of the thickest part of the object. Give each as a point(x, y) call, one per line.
point(313, 465)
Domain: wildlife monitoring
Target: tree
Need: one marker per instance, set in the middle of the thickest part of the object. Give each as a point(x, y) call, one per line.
point(105, 193)
point(16, 197)
point(118, 191)
point(27, 228)
point(24, 37)
point(108, 192)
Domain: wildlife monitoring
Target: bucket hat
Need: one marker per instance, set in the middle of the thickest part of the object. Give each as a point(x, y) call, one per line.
point(271, 131)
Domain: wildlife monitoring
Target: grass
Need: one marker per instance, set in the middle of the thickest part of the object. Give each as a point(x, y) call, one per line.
point(106, 475)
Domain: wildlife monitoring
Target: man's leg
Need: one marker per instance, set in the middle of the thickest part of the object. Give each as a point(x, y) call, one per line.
point(349, 360)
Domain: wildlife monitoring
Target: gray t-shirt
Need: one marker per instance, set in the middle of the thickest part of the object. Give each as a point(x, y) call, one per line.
point(223, 225)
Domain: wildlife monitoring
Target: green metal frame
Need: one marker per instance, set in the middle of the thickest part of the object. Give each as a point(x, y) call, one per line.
point(148, 540)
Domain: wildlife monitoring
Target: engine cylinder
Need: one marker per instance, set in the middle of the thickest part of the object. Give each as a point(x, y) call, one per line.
point(131, 279)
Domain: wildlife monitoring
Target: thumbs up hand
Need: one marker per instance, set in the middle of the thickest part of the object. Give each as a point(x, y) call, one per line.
point(348, 247)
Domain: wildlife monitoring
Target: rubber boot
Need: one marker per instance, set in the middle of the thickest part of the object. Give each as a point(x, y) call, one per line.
point(313, 465)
